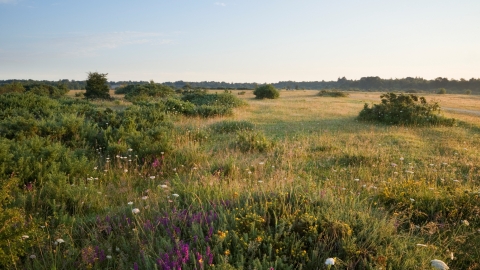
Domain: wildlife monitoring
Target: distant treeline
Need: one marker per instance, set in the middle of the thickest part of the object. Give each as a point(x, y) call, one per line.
point(364, 84)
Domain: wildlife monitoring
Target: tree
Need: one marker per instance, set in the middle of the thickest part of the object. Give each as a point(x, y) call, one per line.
point(97, 86)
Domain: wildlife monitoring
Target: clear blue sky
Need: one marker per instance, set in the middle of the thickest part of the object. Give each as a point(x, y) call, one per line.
point(239, 40)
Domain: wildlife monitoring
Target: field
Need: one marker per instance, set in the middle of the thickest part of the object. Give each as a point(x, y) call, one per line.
point(278, 184)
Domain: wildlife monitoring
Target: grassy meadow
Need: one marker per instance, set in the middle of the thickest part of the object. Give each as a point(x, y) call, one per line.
point(277, 184)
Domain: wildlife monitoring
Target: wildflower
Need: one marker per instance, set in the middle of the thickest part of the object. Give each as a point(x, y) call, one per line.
point(135, 210)
point(465, 222)
point(163, 186)
point(152, 177)
point(144, 197)
point(401, 158)
point(130, 203)
point(393, 164)
point(261, 163)
point(109, 257)
point(59, 241)
point(330, 261)
point(451, 256)
point(33, 256)
point(125, 170)
point(356, 179)
point(25, 237)
point(95, 168)
point(175, 195)
point(260, 181)
point(421, 245)
point(227, 252)
point(130, 150)
point(438, 264)
point(412, 200)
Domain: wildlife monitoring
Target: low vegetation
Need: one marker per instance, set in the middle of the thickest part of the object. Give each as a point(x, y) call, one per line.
point(174, 182)
point(332, 93)
point(404, 109)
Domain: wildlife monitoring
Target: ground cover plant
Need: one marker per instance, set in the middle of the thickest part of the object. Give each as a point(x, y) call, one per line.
point(284, 184)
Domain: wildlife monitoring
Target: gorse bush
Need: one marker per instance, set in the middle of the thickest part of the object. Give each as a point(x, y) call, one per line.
point(404, 109)
point(332, 93)
point(266, 91)
point(145, 91)
point(248, 141)
point(229, 126)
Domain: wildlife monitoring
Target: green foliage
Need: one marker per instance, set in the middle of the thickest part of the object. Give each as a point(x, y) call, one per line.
point(332, 93)
point(97, 86)
point(266, 91)
point(442, 91)
point(468, 92)
point(224, 99)
point(16, 229)
point(404, 110)
point(47, 90)
point(145, 91)
point(14, 87)
point(229, 126)
point(253, 141)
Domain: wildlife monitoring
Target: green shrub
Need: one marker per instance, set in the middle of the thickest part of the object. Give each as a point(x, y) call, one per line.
point(404, 110)
point(14, 87)
point(468, 92)
point(145, 91)
point(332, 93)
point(266, 91)
point(442, 91)
point(224, 99)
point(253, 141)
point(231, 126)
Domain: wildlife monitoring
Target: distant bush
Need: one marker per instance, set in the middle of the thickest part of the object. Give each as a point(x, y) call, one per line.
point(442, 91)
point(223, 99)
point(404, 110)
point(266, 91)
point(241, 93)
point(231, 126)
point(468, 92)
point(14, 87)
point(332, 93)
point(145, 91)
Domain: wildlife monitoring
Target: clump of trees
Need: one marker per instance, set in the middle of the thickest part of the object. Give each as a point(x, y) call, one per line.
point(97, 86)
point(332, 93)
point(266, 91)
point(404, 109)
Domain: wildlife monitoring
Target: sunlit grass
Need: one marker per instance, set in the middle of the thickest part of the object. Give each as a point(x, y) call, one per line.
point(373, 196)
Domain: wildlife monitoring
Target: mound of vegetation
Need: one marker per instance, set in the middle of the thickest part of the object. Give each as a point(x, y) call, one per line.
point(332, 93)
point(404, 109)
point(145, 91)
point(35, 88)
point(231, 126)
point(266, 91)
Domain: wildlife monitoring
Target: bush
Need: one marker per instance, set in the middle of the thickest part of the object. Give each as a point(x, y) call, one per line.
point(468, 92)
point(253, 141)
point(332, 93)
point(442, 91)
point(145, 91)
point(231, 126)
point(404, 110)
point(15, 87)
point(266, 91)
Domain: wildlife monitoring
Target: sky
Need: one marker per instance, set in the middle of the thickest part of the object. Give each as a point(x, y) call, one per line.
point(239, 40)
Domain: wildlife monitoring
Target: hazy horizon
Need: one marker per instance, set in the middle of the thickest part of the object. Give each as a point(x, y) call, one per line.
point(239, 41)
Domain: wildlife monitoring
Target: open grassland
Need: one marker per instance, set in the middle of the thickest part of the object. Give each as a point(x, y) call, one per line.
point(280, 184)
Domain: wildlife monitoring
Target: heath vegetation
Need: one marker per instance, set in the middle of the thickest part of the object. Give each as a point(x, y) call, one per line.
point(215, 180)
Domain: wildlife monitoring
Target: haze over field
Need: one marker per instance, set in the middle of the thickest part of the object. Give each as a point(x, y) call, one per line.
point(239, 41)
